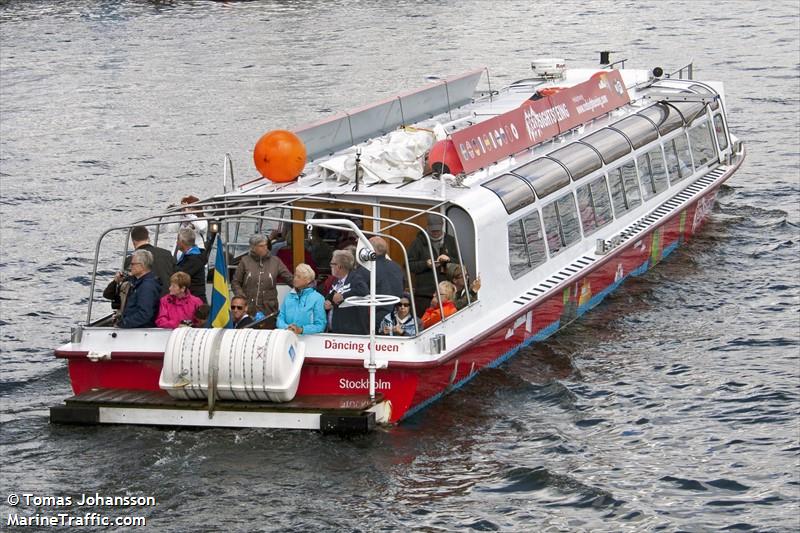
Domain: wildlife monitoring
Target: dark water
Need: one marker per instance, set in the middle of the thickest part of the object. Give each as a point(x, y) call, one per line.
point(674, 406)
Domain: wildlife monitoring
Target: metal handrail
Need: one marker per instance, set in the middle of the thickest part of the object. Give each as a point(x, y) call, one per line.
point(217, 217)
point(227, 171)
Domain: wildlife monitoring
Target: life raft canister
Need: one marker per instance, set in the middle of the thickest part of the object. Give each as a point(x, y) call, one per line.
point(443, 158)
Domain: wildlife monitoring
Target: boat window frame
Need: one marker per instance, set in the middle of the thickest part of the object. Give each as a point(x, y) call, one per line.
point(712, 145)
point(683, 167)
point(512, 207)
point(721, 131)
point(602, 135)
point(653, 189)
point(593, 205)
point(561, 233)
point(627, 197)
point(525, 232)
point(578, 168)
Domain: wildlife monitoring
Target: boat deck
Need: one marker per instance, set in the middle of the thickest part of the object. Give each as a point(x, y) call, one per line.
point(330, 414)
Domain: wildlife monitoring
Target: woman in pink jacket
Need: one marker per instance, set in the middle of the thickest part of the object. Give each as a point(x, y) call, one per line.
point(179, 305)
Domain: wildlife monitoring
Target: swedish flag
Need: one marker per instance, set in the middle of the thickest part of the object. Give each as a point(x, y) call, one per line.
point(220, 296)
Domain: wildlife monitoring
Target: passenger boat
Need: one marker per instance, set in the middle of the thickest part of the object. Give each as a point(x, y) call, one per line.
point(556, 188)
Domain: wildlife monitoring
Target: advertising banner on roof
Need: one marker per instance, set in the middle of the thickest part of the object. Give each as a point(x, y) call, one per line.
point(536, 121)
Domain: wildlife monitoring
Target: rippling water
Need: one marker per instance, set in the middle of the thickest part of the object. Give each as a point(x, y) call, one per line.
point(673, 406)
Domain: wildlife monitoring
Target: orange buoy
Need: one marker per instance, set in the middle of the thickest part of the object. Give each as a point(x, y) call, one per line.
point(280, 156)
point(443, 158)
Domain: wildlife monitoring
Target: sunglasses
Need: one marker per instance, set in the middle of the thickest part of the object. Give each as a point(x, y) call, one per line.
point(401, 304)
point(237, 307)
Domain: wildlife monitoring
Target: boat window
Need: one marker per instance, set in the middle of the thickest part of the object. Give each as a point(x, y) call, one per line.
point(637, 129)
point(625, 193)
point(689, 110)
point(722, 137)
point(579, 158)
point(679, 161)
point(664, 117)
point(517, 253)
point(561, 223)
point(610, 143)
point(652, 172)
point(525, 245)
point(545, 176)
point(702, 89)
point(594, 205)
point(514, 192)
point(702, 143)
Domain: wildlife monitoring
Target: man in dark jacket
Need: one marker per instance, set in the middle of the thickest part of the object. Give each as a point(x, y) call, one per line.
point(141, 307)
point(163, 266)
point(389, 277)
point(421, 264)
point(193, 262)
point(343, 317)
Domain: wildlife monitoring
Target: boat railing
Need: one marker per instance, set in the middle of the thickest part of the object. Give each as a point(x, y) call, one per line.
point(227, 173)
point(222, 210)
point(687, 69)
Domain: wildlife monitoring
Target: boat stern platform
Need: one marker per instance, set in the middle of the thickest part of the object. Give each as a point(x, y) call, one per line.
point(330, 414)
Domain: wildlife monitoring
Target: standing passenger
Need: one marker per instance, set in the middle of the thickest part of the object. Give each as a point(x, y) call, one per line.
point(257, 276)
point(192, 262)
point(303, 309)
point(163, 266)
point(421, 264)
point(388, 277)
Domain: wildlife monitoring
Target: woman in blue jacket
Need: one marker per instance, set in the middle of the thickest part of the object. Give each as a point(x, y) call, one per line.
point(303, 309)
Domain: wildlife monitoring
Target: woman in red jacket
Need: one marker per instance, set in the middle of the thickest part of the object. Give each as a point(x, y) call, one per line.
point(179, 305)
point(433, 315)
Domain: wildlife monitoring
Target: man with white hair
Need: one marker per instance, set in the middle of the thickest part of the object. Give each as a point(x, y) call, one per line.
point(141, 307)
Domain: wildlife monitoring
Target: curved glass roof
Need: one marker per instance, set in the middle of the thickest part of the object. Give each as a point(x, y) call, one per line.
point(689, 110)
point(610, 143)
point(637, 129)
point(579, 158)
point(665, 118)
point(545, 176)
point(513, 191)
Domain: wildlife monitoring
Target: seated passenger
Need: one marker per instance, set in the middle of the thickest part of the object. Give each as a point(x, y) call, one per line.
point(200, 319)
point(239, 312)
point(432, 314)
point(400, 322)
point(303, 309)
point(455, 274)
point(179, 305)
point(142, 303)
point(344, 318)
